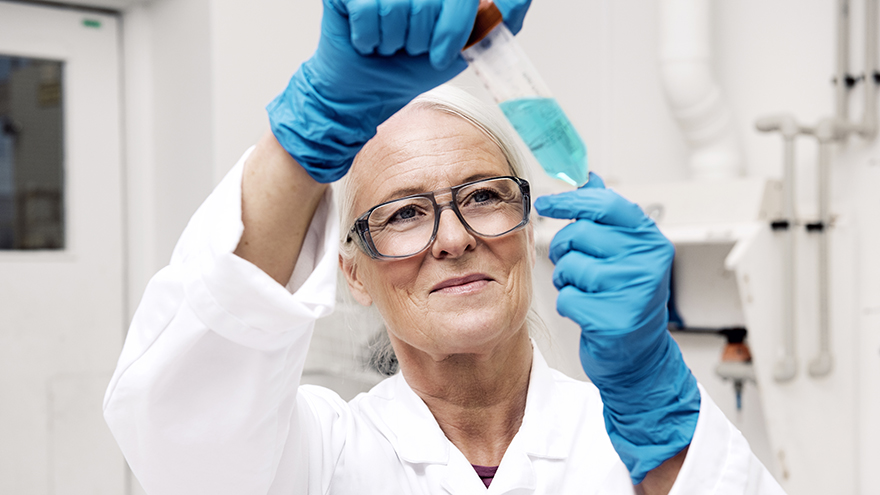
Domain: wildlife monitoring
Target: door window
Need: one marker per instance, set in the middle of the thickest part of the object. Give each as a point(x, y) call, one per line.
point(31, 153)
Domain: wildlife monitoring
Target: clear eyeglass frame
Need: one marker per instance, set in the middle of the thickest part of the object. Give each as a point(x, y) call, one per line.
point(360, 230)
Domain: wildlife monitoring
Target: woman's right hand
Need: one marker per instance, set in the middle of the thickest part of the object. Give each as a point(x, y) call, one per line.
point(373, 57)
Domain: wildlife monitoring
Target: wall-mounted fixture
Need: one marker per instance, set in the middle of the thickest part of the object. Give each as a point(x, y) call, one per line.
point(828, 132)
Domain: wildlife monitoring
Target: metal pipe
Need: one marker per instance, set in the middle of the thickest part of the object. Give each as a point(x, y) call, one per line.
point(785, 368)
point(828, 132)
point(869, 118)
point(842, 77)
point(821, 365)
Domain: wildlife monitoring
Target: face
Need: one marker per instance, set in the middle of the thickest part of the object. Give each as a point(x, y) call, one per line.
point(464, 294)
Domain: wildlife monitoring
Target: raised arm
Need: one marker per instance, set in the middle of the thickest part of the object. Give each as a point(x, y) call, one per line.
point(278, 201)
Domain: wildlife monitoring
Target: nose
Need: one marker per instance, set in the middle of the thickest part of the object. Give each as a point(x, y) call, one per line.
point(453, 238)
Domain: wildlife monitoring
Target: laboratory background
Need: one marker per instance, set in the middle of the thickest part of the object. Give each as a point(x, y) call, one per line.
point(746, 128)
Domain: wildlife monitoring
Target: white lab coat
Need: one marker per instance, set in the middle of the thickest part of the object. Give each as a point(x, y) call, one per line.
point(205, 398)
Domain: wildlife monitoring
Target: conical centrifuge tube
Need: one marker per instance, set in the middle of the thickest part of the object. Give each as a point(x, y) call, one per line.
point(513, 81)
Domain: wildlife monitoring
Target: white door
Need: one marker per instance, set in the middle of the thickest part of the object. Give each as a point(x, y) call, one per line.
point(61, 276)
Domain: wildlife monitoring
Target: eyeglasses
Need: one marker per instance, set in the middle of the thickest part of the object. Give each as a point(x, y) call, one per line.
point(407, 226)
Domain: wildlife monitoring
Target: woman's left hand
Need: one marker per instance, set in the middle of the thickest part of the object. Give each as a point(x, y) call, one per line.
point(612, 270)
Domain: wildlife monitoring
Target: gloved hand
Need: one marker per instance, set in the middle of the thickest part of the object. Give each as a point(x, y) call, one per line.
point(373, 57)
point(612, 271)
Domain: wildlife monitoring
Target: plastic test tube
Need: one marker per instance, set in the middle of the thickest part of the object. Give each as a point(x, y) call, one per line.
point(510, 77)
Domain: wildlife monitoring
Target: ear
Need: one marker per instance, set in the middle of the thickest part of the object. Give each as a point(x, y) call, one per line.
point(355, 286)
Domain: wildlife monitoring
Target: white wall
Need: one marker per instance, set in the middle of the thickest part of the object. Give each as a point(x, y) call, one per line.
point(256, 47)
point(198, 76)
point(199, 72)
point(169, 142)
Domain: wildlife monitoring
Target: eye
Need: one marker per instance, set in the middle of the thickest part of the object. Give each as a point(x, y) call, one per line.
point(481, 197)
point(484, 195)
point(403, 214)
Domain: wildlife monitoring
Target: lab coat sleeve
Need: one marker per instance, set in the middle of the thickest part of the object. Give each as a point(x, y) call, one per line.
point(204, 398)
point(720, 461)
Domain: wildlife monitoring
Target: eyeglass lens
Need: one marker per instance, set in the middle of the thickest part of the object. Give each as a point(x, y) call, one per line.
point(406, 226)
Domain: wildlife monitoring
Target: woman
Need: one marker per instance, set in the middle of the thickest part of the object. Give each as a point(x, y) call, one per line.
point(436, 235)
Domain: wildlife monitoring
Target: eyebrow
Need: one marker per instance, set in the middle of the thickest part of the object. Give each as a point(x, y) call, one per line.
point(413, 190)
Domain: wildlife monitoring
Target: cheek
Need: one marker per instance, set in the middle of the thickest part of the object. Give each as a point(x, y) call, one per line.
point(523, 273)
point(391, 285)
point(520, 258)
point(533, 252)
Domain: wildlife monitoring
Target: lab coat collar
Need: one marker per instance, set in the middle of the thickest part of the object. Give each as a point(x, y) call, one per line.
point(547, 415)
point(420, 440)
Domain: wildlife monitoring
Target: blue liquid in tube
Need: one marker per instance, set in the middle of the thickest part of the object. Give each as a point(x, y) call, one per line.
point(548, 133)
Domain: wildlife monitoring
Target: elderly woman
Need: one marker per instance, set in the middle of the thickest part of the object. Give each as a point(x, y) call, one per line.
point(436, 234)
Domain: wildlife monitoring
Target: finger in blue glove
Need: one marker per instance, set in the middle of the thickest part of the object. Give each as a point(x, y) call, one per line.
point(592, 202)
point(513, 12)
point(449, 38)
point(392, 13)
point(421, 27)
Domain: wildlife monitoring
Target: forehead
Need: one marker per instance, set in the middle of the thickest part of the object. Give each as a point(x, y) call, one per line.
point(420, 150)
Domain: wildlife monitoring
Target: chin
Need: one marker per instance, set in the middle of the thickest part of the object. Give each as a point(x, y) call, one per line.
point(475, 333)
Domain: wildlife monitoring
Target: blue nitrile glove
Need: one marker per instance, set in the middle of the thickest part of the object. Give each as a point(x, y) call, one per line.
point(612, 271)
point(513, 12)
point(373, 57)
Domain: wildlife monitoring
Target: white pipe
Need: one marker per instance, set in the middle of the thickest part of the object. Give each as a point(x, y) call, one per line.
point(785, 368)
point(834, 130)
point(828, 132)
point(867, 128)
point(841, 88)
point(869, 118)
point(691, 91)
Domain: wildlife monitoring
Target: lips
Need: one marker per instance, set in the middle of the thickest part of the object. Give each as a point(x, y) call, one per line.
point(461, 282)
